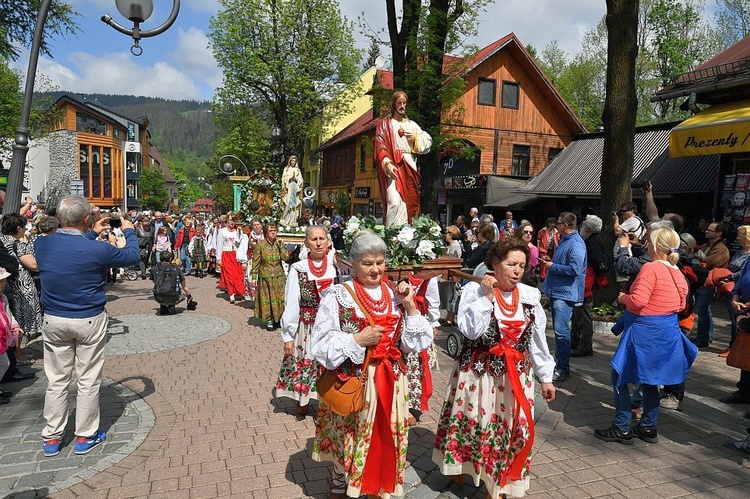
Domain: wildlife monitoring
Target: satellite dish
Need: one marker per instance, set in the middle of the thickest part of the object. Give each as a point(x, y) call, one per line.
point(380, 62)
point(227, 168)
point(309, 192)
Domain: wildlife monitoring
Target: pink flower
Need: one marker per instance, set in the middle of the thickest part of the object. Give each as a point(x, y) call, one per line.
point(460, 415)
point(452, 445)
point(461, 385)
point(459, 402)
point(493, 418)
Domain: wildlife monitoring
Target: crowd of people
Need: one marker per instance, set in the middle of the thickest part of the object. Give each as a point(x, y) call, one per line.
point(372, 330)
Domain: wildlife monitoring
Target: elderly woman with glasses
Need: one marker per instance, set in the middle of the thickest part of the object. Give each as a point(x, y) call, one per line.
point(526, 234)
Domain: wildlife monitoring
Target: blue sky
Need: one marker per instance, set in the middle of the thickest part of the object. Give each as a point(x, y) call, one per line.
point(178, 64)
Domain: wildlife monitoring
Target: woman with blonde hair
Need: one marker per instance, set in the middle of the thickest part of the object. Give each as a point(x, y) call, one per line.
point(652, 350)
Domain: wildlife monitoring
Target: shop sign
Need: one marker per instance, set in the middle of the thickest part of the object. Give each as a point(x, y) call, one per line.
point(465, 182)
point(362, 192)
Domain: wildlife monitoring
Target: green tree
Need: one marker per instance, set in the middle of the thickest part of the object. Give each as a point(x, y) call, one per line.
point(372, 54)
point(554, 61)
point(155, 195)
point(285, 60)
point(10, 100)
point(732, 21)
point(427, 32)
point(18, 19)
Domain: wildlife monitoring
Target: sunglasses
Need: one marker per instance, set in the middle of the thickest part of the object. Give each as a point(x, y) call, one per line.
point(528, 232)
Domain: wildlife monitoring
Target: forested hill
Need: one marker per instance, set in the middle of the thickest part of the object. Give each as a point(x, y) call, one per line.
point(174, 124)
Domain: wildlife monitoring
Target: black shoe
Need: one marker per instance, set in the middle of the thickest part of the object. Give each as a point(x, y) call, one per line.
point(737, 397)
point(5, 395)
point(651, 436)
point(4, 401)
point(699, 344)
point(582, 352)
point(270, 326)
point(171, 310)
point(614, 434)
point(19, 377)
point(163, 310)
point(560, 376)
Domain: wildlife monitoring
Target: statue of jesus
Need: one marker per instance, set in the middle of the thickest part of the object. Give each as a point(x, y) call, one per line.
point(397, 141)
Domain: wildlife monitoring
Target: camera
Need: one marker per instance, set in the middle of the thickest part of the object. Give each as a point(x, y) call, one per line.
point(115, 222)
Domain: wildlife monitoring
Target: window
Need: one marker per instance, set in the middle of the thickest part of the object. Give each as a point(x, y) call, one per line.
point(84, 169)
point(96, 171)
point(486, 94)
point(510, 94)
point(553, 152)
point(116, 133)
point(360, 210)
point(89, 124)
point(520, 166)
point(363, 155)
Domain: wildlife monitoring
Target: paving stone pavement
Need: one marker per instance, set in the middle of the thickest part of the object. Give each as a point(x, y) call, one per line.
point(218, 430)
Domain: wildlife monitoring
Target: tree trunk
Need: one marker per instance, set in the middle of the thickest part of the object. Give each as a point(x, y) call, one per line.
point(620, 107)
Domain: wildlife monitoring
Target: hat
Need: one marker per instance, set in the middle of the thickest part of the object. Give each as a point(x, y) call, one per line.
point(4, 274)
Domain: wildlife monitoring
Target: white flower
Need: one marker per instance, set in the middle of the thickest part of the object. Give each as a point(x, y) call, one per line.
point(406, 235)
point(435, 230)
point(352, 228)
point(425, 249)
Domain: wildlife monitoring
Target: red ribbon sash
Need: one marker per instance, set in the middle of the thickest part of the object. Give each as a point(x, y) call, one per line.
point(512, 332)
point(380, 471)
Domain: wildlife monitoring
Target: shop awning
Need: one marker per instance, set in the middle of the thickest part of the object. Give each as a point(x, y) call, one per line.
point(720, 129)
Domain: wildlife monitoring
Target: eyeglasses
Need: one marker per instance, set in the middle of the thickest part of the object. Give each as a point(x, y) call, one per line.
point(528, 232)
point(711, 230)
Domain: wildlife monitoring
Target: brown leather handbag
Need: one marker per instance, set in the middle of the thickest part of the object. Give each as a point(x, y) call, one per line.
point(739, 354)
point(345, 397)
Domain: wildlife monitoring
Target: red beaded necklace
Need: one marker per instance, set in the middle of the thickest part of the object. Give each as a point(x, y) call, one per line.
point(507, 309)
point(317, 272)
point(381, 306)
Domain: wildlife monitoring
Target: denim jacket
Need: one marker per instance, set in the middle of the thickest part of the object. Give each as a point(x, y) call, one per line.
point(566, 277)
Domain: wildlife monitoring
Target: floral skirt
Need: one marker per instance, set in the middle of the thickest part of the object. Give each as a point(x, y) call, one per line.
point(346, 439)
point(298, 375)
point(415, 367)
point(475, 431)
point(269, 298)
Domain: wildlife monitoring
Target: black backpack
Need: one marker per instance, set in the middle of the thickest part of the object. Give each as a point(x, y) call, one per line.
point(167, 284)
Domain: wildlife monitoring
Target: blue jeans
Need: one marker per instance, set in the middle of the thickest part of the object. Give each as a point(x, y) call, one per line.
point(185, 259)
point(623, 405)
point(562, 310)
point(705, 319)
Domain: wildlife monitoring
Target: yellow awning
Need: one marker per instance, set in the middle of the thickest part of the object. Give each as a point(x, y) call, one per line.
point(720, 129)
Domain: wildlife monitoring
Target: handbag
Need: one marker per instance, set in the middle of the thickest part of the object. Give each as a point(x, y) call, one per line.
point(345, 397)
point(739, 354)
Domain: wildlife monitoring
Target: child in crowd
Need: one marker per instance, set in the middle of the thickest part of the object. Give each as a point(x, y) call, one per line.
point(161, 243)
point(9, 333)
point(197, 251)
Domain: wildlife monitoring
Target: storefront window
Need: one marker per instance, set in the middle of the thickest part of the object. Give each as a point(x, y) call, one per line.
point(96, 172)
point(84, 169)
point(107, 166)
point(89, 124)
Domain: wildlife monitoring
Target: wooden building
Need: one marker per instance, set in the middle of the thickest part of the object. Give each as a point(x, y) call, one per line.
point(111, 151)
point(514, 119)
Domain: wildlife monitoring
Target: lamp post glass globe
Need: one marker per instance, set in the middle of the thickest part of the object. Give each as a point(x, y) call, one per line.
point(135, 10)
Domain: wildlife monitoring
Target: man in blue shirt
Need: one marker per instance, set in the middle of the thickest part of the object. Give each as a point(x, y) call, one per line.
point(73, 267)
point(564, 285)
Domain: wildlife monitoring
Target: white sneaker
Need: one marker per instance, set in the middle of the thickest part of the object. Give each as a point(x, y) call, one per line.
point(670, 402)
point(231, 298)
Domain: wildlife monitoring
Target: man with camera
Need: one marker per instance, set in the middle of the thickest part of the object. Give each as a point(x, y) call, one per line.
point(73, 266)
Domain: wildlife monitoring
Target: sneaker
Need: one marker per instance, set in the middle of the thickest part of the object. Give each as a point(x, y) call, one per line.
point(560, 376)
point(740, 445)
point(231, 298)
point(651, 436)
point(84, 445)
point(671, 402)
point(614, 434)
point(270, 326)
point(52, 447)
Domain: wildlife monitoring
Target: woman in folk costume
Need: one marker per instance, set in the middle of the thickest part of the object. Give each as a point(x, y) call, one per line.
point(486, 425)
point(231, 251)
point(307, 280)
point(368, 448)
point(269, 278)
point(418, 364)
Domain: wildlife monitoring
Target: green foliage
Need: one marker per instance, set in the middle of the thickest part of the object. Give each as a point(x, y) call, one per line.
point(18, 20)
point(10, 101)
point(372, 54)
point(407, 244)
point(732, 21)
point(155, 195)
point(343, 202)
point(283, 62)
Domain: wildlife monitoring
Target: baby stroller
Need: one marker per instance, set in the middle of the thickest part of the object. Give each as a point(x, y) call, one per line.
point(132, 272)
point(454, 340)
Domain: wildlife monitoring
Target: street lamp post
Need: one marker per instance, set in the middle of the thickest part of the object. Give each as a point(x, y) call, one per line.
point(228, 168)
point(135, 10)
point(21, 145)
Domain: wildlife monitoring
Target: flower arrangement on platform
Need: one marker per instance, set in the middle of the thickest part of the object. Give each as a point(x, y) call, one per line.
point(407, 244)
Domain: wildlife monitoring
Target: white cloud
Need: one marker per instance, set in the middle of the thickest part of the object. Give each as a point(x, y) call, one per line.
point(535, 22)
point(195, 58)
point(118, 73)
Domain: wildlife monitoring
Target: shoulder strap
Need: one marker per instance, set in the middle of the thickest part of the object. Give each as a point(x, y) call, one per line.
point(368, 351)
point(671, 274)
